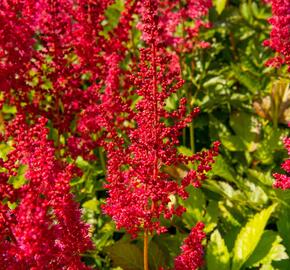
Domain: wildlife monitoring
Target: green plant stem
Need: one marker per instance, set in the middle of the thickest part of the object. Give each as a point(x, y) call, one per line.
point(184, 136)
point(191, 130)
point(102, 158)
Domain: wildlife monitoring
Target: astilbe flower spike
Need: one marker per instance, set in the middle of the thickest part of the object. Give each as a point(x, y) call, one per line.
point(191, 257)
point(44, 230)
point(283, 180)
point(174, 13)
point(139, 190)
point(280, 34)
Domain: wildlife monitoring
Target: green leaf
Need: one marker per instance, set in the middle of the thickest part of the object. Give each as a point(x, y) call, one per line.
point(222, 169)
point(249, 81)
point(211, 216)
point(244, 126)
point(9, 109)
point(170, 244)
point(233, 143)
point(245, 10)
point(19, 180)
point(220, 5)
point(126, 255)
point(269, 249)
point(262, 177)
point(156, 256)
point(184, 151)
point(284, 228)
point(92, 205)
point(249, 237)
point(217, 255)
point(195, 204)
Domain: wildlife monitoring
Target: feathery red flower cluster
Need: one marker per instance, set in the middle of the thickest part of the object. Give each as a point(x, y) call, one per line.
point(139, 190)
point(282, 180)
point(280, 34)
point(58, 63)
point(45, 227)
point(191, 257)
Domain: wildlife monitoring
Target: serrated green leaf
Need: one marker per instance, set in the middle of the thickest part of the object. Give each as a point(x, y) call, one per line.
point(249, 237)
point(126, 255)
point(217, 254)
point(269, 249)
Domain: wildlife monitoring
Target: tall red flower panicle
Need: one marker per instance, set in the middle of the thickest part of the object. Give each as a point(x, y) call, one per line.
point(280, 34)
point(56, 63)
point(139, 190)
point(16, 47)
point(191, 257)
point(44, 230)
point(282, 180)
point(110, 107)
point(189, 15)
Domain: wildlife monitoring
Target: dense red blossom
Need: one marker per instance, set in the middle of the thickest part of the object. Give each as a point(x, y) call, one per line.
point(57, 62)
point(16, 45)
point(282, 180)
point(139, 190)
point(172, 14)
point(45, 229)
point(280, 34)
point(191, 257)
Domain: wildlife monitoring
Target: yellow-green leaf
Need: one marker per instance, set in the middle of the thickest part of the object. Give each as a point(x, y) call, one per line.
point(217, 255)
point(249, 237)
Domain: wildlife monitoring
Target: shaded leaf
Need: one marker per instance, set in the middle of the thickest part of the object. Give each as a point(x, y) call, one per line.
point(126, 255)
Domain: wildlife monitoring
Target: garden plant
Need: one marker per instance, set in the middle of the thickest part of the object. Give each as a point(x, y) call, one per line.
point(145, 134)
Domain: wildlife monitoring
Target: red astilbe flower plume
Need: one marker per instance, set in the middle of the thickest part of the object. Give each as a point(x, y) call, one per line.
point(73, 62)
point(191, 257)
point(282, 180)
point(174, 13)
point(280, 34)
point(16, 45)
point(44, 230)
point(139, 190)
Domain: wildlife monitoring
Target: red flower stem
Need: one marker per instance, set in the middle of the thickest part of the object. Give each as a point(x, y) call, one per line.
point(146, 267)
point(155, 172)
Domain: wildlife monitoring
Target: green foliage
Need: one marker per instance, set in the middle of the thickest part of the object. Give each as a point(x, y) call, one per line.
point(249, 237)
point(226, 81)
point(217, 256)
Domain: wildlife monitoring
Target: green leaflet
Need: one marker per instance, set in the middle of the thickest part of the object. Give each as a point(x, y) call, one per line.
point(129, 256)
point(126, 255)
point(220, 5)
point(217, 256)
point(284, 228)
point(269, 249)
point(249, 237)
